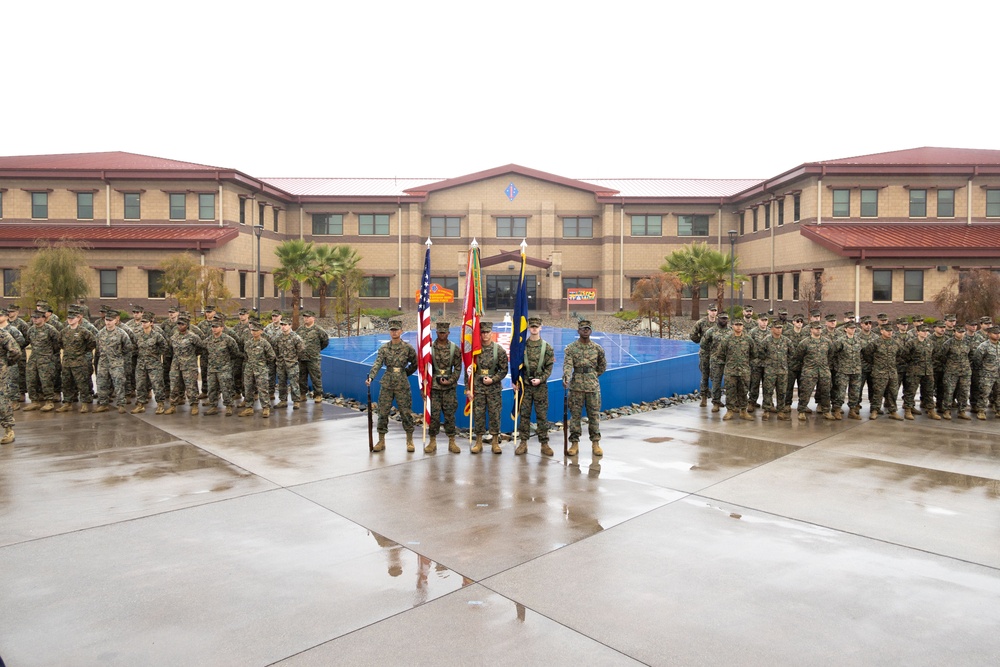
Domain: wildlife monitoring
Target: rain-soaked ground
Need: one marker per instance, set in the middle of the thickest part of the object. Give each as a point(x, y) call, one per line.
point(180, 540)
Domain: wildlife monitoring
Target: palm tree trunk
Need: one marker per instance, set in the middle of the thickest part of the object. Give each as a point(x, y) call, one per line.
point(695, 300)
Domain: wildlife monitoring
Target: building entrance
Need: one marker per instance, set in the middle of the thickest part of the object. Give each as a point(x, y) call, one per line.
point(501, 291)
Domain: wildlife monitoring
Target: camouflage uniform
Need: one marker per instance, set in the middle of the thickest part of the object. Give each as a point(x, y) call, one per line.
point(12, 387)
point(774, 352)
point(42, 366)
point(756, 365)
point(813, 355)
point(538, 361)
point(149, 367)
point(314, 339)
point(794, 368)
point(736, 355)
point(919, 357)
point(582, 367)
point(271, 333)
point(259, 357)
point(702, 327)
point(185, 349)
point(447, 362)
point(240, 332)
point(114, 348)
point(487, 399)
point(10, 353)
point(221, 350)
point(988, 356)
point(881, 353)
point(288, 349)
point(400, 361)
point(956, 357)
point(937, 342)
point(847, 371)
point(712, 341)
point(169, 326)
point(22, 371)
point(77, 363)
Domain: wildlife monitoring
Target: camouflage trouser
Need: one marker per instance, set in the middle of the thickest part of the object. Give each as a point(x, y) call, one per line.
point(716, 371)
point(238, 374)
point(220, 379)
point(989, 391)
point(706, 373)
point(926, 385)
point(255, 381)
point(939, 388)
point(793, 378)
point(272, 379)
point(22, 376)
point(894, 389)
point(146, 373)
point(389, 391)
point(774, 389)
point(203, 363)
point(846, 385)
point(737, 387)
point(537, 398)
point(818, 381)
point(110, 376)
point(288, 376)
point(756, 379)
point(310, 370)
point(487, 401)
point(592, 401)
point(183, 380)
point(42, 371)
point(12, 385)
point(443, 402)
point(76, 380)
point(955, 387)
point(885, 389)
point(130, 363)
point(867, 382)
point(6, 411)
point(167, 362)
point(974, 387)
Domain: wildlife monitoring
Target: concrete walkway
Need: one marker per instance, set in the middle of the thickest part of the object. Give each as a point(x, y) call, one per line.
point(180, 540)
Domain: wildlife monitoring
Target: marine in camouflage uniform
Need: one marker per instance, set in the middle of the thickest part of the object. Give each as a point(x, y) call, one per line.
point(13, 312)
point(919, 354)
point(956, 357)
point(757, 334)
point(938, 338)
point(315, 339)
point(78, 344)
point(271, 332)
point(13, 383)
point(288, 349)
point(975, 338)
point(241, 332)
point(185, 346)
point(539, 358)
point(583, 365)
point(42, 365)
point(150, 345)
point(491, 368)
point(846, 354)
point(796, 333)
point(988, 355)
point(882, 353)
point(446, 360)
point(220, 349)
point(114, 347)
point(712, 341)
point(10, 353)
point(813, 356)
point(259, 357)
point(400, 362)
point(169, 326)
point(735, 355)
point(701, 327)
point(774, 352)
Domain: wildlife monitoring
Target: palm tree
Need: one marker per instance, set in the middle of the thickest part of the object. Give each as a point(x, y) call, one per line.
point(295, 257)
point(717, 269)
point(324, 269)
point(687, 264)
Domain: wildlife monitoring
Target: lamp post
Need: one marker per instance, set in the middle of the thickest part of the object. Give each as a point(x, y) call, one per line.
point(257, 231)
point(732, 267)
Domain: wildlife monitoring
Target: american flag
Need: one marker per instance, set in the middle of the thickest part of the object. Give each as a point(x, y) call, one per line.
point(425, 364)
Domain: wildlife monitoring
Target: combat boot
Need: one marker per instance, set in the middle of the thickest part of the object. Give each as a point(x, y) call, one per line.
point(854, 414)
point(101, 408)
point(766, 416)
point(704, 401)
point(317, 398)
point(838, 414)
point(170, 410)
point(477, 446)
point(138, 409)
point(873, 415)
point(122, 410)
point(194, 408)
point(908, 414)
point(715, 407)
point(783, 416)
point(296, 405)
point(946, 415)
point(932, 414)
point(266, 412)
point(8, 435)
point(546, 450)
point(431, 446)
point(806, 410)
point(409, 443)
point(981, 415)
point(30, 407)
point(84, 408)
point(214, 410)
point(496, 444)
point(453, 446)
point(729, 415)
point(596, 449)
point(522, 447)
point(802, 417)
point(281, 404)
point(574, 447)
point(48, 407)
point(229, 411)
point(829, 416)
point(65, 407)
point(893, 415)
point(745, 415)
point(962, 414)
point(380, 445)
point(916, 411)
point(159, 409)
point(15, 406)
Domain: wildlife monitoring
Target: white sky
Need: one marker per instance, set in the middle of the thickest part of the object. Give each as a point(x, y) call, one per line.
point(582, 89)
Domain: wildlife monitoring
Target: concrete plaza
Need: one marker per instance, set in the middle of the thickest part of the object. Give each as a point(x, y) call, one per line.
point(194, 540)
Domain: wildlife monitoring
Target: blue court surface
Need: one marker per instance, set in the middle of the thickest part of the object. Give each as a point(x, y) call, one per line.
point(640, 368)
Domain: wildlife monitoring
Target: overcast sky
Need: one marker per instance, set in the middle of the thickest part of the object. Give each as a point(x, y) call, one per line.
point(439, 89)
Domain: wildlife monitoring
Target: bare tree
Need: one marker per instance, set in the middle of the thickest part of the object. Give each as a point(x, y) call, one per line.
point(655, 297)
point(811, 293)
point(971, 295)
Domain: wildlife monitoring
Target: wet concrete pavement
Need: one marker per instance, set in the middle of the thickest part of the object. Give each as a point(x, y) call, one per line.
point(166, 540)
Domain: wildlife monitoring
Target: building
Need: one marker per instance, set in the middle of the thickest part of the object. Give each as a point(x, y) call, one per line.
point(880, 232)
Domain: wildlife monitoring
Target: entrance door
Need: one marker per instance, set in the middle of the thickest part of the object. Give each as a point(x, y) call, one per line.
point(501, 291)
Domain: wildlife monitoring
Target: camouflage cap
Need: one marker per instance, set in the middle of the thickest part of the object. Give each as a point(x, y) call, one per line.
point(255, 326)
point(993, 330)
point(393, 324)
point(798, 317)
point(815, 325)
point(713, 308)
point(866, 319)
point(902, 320)
point(485, 327)
point(137, 309)
point(986, 319)
point(275, 313)
point(534, 321)
point(885, 327)
point(748, 307)
point(210, 308)
point(172, 309)
point(147, 317)
point(308, 313)
point(110, 315)
point(723, 316)
point(851, 324)
point(923, 327)
point(776, 324)
point(831, 317)
point(242, 311)
point(849, 313)
point(782, 311)
point(584, 324)
point(938, 323)
point(815, 312)
point(951, 318)
point(444, 326)
point(183, 319)
point(762, 316)
point(738, 322)
point(216, 324)
point(881, 316)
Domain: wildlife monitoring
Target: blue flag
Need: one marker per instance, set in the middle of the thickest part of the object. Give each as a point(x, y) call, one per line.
point(519, 333)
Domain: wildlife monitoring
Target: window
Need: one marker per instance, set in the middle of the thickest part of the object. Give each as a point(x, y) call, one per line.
point(84, 205)
point(1, 204)
point(946, 204)
point(755, 219)
point(780, 286)
point(374, 224)
point(633, 283)
point(869, 203)
point(178, 206)
point(882, 285)
point(702, 292)
point(781, 212)
point(647, 225)
point(796, 208)
point(767, 287)
point(260, 284)
point(818, 285)
point(753, 287)
point(913, 285)
point(447, 282)
point(445, 226)
point(572, 283)
point(10, 278)
point(767, 216)
point(692, 225)
point(39, 205)
point(154, 279)
point(841, 203)
point(993, 203)
point(243, 285)
point(512, 227)
point(743, 222)
point(132, 205)
point(109, 284)
point(325, 224)
point(578, 228)
point(795, 286)
point(206, 206)
point(243, 211)
point(918, 203)
point(275, 218)
point(374, 287)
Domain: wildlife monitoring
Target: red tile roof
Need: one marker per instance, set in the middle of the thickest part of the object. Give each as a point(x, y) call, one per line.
point(923, 156)
point(906, 239)
point(116, 160)
point(141, 236)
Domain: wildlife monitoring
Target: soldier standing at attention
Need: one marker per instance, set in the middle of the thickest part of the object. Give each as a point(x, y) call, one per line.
point(259, 356)
point(758, 334)
point(795, 335)
point(10, 353)
point(186, 346)
point(400, 361)
point(847, 371)
point(271, 332)
point(538, 361)
point(447, 361)
point(712, 341)
point(988, 356)
point(881, 353)
point(13, 314)
point(288, 349)
point(315, 339)
point(584, 363)
point(220, 349)
point(919, 355)
point(956, 358)
point(150, 344)
point(702, 327)
point(813, 356)
point(11, 387)
point(77, 344)
point(491, 369)
point(241, 332)
point(774, 352)
point(113, 346)
point(42, 364)
point(735, 356)
point(169, 326)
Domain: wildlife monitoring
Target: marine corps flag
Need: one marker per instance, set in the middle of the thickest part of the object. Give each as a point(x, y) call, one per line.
point(519, 334)
point(471, 314)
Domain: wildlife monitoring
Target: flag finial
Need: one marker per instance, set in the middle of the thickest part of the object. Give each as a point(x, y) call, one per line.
point(428, 242)
point(524, 245)
point(474, 244)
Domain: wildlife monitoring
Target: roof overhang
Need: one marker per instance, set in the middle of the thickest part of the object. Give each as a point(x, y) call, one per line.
point(905, 239)
point(119, 236)
point(513, 256)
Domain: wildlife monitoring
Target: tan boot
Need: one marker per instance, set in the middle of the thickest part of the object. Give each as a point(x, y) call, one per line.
point(946, 415)
point(783, 417)
point(908, 414)
point(453, 446)
point(765, 416)
point(266, 412)
point(8, 435)
point(159, 409)
point(873, 415)
point(962, 414)
point(704, 401)
point(281, 404)
point(596, 448)
point(431, 446)
point(214, 410)
point(229, 411)
point(802, 417)
point(477, 446)
point(715, 407)
point(854, 414)
point(318, 398)
point(138, 409)
point(246, 412)
point(48, 407)
point(409, 443)
point(101, 408)
point(522, 448)
point(829, 416)
point(496, 444)
point(838, 414)
point(932, 414)
point(296, 405)
point(981, 415)
point(380, 445)
point(171, 410)
point(729, 415)
point(746, 416)
point(574, 448)
point(194, 408)
point(30, 407)
point(546, 450)
point(84, 409)
point(893, 415)
point(122, 410)
point(65, 407)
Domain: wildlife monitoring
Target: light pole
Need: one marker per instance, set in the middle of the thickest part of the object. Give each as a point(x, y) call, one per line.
point(732, 269)
point(257, 231)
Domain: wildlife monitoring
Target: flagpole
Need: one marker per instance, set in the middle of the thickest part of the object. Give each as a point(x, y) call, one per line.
point(520, 313)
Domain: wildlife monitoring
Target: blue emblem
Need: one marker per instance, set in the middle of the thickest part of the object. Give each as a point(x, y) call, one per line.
point(511, 192)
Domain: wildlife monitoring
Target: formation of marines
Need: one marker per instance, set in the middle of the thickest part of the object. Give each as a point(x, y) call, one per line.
point(55, 364)
point(765, 362)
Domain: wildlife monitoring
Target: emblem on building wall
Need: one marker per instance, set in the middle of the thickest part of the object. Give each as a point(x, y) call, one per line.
point(511, 191)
